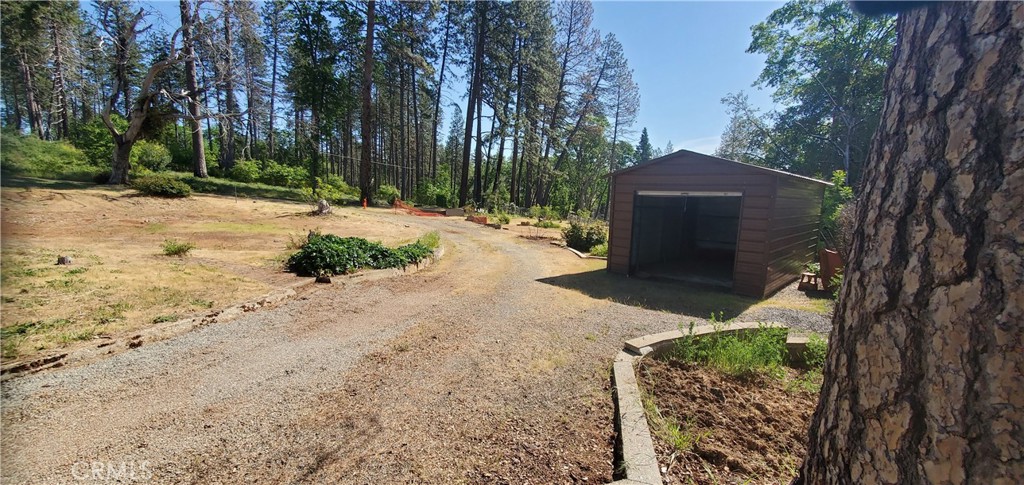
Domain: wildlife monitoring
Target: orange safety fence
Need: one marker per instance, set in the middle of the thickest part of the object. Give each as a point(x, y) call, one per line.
point(414, 211)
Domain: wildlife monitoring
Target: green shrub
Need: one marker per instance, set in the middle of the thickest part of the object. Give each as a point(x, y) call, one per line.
point(739, 354)
point(151, 155)
point(502, 218)
point(284, 176)
point(95, 141)
point(544, 213)
point(177, 248)
point(816, 351)
point(431, 240)
point(547, 224)
point(388, 193)
point(247, 171)
point(600, 250)
point(327, 254)
point(161, 186)
point(583, 235)
point(29, 156)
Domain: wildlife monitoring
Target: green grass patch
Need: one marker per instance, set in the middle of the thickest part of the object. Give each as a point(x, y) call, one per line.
point(165, 318)
point(740, 354)
point(28, 156)
point(161, 186)
point(173, 247)
point(234, 188)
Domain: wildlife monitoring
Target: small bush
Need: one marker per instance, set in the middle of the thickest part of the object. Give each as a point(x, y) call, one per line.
point(247, 171)
point(177, 248)
point(502, 218)
point(284, 176)
point(599, 250)
point(431, 240)
point(584, 235)
point(544, 213)
point(161, 186)
point(151, 155)
point(327, 254)
point(388, 193)
point(547, 224)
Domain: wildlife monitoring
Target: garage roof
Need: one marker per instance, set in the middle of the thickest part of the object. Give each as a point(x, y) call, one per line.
point(678, 153)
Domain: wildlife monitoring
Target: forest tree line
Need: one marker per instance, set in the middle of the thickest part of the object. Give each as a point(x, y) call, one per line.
point(547, 107)
point(483, 103)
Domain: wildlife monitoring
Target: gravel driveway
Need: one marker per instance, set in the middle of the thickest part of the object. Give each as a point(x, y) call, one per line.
point(471, 370)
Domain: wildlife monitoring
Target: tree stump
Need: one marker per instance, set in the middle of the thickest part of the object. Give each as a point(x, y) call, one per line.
point(322, 208)
point(63, 260)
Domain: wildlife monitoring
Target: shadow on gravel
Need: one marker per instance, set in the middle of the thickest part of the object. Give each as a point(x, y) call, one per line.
point(663, 296)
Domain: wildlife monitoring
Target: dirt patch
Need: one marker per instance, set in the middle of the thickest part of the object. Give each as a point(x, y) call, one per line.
point(737, 430)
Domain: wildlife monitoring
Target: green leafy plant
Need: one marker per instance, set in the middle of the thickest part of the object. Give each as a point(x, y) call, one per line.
point(327, 254)
point(387, 194)
point(546, 224)
point(284, 175)
point(583, 235)
point(502, 218)
point(174, 247)
point(161, 186)
point(544, 213)
point(247, 171)
point(150, 155)
point(600, 250)
point(816, 351)
point(836, 283)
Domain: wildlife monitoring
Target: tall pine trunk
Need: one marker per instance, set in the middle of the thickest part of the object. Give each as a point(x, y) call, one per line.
point(188, 49)
point(35, 115)
point(227, 150)
point(923, 378)
point(366, 123)
point(59, 87)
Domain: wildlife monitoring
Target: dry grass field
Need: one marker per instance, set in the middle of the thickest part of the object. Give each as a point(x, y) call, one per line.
point(120, 280)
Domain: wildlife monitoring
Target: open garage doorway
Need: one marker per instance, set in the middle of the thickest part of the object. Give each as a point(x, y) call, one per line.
point(686, 236)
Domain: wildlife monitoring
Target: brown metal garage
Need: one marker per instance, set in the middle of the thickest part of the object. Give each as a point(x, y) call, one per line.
point(708, 220)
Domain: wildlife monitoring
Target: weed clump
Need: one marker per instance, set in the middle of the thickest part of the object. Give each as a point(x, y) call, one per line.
point(174, 247)
point(739, 354)
point(328, 255)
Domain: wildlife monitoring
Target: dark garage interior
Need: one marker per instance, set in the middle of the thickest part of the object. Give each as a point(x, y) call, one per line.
point(690, 238)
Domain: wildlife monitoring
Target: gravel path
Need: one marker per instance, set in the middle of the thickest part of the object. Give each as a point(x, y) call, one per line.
point(471, 370)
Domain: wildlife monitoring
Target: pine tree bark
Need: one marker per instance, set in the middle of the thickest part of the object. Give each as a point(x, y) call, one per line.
point(195, 125)
point(366, 128)
point(60, 91)
point(35, 115)
point(923, 382)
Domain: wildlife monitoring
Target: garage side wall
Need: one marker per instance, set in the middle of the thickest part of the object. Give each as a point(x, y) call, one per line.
point(793, 236)
point(698, 173)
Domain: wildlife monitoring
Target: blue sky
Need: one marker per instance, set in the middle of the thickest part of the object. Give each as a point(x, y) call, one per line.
point(686, 56)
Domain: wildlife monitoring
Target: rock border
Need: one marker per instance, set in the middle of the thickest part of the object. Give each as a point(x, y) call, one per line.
point(639, 459)
point(104, 347)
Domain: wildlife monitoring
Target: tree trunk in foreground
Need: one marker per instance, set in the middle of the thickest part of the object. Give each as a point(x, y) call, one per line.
point(923, 382)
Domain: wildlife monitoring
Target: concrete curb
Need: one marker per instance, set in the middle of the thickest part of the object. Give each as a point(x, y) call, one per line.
point(109, 346)
point(639, 459)
point(583, 255)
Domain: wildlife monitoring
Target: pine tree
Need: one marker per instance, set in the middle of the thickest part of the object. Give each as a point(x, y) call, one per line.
point(644, 151)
